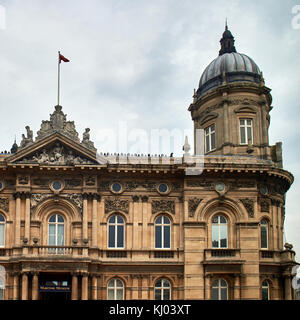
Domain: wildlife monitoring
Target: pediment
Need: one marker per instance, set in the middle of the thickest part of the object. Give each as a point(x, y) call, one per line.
point(55, 149)
point(208, 117)
point(245, 109)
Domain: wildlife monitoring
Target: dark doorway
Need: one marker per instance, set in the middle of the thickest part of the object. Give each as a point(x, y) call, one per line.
point(55, 286)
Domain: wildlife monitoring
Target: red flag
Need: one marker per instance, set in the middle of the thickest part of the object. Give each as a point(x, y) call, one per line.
point(62, 58)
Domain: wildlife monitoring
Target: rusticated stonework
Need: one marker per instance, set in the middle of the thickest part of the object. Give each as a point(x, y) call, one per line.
point(163, 206)
point(116, 205)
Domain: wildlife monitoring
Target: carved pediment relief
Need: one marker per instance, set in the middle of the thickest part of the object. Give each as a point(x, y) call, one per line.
point(208, 117)
point(245, 109)
point(56, 153)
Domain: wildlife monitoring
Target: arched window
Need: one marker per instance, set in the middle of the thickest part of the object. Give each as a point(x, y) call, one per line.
point(162, 232)
point(115, 290)
point(264, 234)
point(219, 290)
point(162, 289)
point(2, 230)
point(56, 230)
point(265, 290)
point(219, 232)
point(116, 232)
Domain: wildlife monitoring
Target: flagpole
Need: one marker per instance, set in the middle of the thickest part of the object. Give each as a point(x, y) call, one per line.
point(58, 82)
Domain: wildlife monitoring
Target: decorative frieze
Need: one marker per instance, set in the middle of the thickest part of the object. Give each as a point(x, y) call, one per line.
point(249, 206)
point(116, 204)
point(163, 206)
point(193, 204)
point(133, 185)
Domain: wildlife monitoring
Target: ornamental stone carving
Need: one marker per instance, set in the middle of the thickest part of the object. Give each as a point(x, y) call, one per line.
point(264, 206)
point(116, 205)
point(23, 180)
point(4, 204)
point(27, 140)
point(249, 206)
point(193, 205)
point(163, 206)
point(58, 123)
point(90, 181)
point(57, 155)
point(86, 142)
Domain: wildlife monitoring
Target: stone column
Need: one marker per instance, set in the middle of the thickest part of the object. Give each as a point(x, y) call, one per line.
point(94, 287)
point(85, 217)
point(287, 287)
point(84, 287)
point(96, 198)
point(24, 286)
point(74, 286)
point(208, 286)
point(17, 197)
point(35, 286)
point(27, 216)
point(15, 286)
point(236, 288)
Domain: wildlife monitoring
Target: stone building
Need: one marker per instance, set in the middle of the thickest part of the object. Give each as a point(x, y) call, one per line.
point(75, 224)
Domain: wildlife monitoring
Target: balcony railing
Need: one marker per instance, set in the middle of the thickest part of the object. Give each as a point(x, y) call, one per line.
point(36, 251)
point(221, 254)
point(266, 254)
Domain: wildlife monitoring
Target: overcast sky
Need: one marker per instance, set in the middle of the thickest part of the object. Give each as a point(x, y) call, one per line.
point(135, 63)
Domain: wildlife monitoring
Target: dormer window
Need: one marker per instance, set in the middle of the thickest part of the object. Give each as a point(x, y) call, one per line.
point(246, 131)
point(210, 138)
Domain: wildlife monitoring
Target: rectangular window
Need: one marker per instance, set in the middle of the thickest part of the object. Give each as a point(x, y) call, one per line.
point(120, 242)
point(246, 132)
point(167, 237)
point(52, 235)
point(215, 236)
point(210, 138)
point(111, 239)
point(223, 236)
point(264, 237)
point(158, 236)
point(166, 294)
point(265, 293)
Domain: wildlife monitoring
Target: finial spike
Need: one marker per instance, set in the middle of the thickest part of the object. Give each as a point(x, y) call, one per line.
point(226, 25)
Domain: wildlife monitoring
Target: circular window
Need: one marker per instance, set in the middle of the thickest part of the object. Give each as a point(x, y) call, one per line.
point(163, 188)
point(116, 187)
point(56, 185)
point(1, 185)
point(220, 186)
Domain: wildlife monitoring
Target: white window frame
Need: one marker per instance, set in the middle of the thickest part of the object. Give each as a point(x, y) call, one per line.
point(219, 224)
point(162, 288)
point(56, 223)
point(207, 135)
point(245, 126)
point(265, 287)
point(115, 288)
point(116, 224)
point(219, 287)
point(3, 223)
point(162, 225)
point(266, 226)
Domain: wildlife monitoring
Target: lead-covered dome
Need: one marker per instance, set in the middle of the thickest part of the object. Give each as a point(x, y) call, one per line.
point(229, 66)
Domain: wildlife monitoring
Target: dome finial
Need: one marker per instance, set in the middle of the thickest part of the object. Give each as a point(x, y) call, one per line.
point(227, 41)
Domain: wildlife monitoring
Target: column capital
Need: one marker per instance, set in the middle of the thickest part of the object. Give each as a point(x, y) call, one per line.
point(96, 196)
point(145, 198)
point(17, 195)
point(135, 198)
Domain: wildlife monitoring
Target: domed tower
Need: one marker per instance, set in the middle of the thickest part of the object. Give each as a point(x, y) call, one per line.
point(232, 105)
